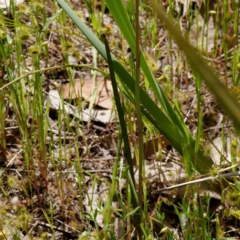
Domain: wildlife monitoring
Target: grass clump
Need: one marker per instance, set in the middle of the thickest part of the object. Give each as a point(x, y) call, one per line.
point(65, 177)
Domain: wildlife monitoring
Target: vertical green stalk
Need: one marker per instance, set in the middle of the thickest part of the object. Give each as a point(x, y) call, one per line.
point(2, 124)
point(216, 29)
point(206, 26)
point(78, 169)
point(127, 151)
point(226, 37)
point(63, 20)
point(199, 127)
point(2, 104)
point(137, 104)
point(235, 74)
point(139, 118)
point(107, 209)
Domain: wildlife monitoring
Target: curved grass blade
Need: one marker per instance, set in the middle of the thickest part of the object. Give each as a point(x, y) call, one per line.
point(206, 73)
point(166, 126)
point(120, 112)
point(127, 80)
point(120, 16)
point(137, 212)
point(51, 19)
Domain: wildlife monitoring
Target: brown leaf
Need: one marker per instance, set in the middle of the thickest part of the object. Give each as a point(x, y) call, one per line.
point(86, 88)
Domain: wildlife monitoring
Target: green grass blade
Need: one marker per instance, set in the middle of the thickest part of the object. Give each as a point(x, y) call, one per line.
point(51, 19)
point(120, 113)
point(174, 133)
point(125, 77)
point(127, 150)
point(120, 16)
point(198, 64)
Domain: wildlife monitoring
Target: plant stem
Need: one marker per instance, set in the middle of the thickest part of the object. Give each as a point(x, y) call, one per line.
point(137, 104)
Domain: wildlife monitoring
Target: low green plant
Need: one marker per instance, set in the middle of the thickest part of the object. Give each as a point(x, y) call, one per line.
point(166, 118)
point(134, 81)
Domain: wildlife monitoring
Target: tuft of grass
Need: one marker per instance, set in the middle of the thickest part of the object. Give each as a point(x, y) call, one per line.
point(51, 185)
